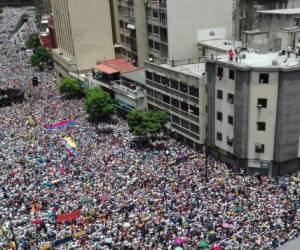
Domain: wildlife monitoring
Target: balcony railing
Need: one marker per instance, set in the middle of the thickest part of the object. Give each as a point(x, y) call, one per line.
point(159, 4)
point(134, 94)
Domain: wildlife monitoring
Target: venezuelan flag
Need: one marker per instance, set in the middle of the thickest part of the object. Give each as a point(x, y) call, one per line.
point(71, 146)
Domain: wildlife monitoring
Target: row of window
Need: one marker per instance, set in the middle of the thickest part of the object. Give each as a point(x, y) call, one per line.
point(259, 148)
point(184, 106)
point(185, 124)
point(174, 84)
point(230, 97)
point(263, 77)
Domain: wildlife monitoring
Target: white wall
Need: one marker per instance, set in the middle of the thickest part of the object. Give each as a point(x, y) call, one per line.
point(267, 115)
point(227, 86)
point(92, 31)
point(185, 18)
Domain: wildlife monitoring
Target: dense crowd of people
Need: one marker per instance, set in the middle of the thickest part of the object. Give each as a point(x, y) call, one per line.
point(112, 196)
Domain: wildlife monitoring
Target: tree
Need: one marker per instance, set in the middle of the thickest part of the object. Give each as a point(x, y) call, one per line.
point(98, 104)
point(70, 87)
point(41, 58)
point(143, 123)
point(33, 41)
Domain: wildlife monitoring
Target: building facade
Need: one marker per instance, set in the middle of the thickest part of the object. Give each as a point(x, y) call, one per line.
point(253, 112)
point(82, 39)
point(178, 87)
point(133, 31)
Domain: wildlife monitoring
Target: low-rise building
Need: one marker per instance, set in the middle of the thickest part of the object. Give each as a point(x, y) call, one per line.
point(254, 111)
point(178, 87)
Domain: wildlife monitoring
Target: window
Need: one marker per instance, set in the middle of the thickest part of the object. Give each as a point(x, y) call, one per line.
point(220, 94)
point(262, 103)
point(194, 128)
point(261, 126)
point(220, 73)
point(219, 116)
point(155, 30)
point(183, 87)
point(231, 74)
point(194, 110)
point(150, 43)
point(229, 140)
point(184, 124)
point(264, 78)
point(184, 106)
point(175, 102)
point(166, 99)
point(156, 46)
point(149, 75)
point(175, 119)
point(164, 81)
point(259, 148)
point(155, 14)
point(230, 120)
point(194, 91)
point(219, 136)
point(174, 84)
point(156, 78)
point(230, 98)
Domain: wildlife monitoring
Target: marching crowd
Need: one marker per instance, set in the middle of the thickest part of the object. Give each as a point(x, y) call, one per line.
point(127, 198)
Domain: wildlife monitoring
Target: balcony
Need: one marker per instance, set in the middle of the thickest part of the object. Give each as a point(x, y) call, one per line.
point(126, 3)
point(118, 87)
point(159, 4)
point(157, 22)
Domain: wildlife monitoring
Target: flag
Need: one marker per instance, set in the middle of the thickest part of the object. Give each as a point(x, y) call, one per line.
point(67, 217)
point(71, 146)
point(61, 125)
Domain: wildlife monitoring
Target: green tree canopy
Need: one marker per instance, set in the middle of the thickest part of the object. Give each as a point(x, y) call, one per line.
point(143, 123)
point(33, 41)
point(71, 87)
point(41, 58)
point(98, 104)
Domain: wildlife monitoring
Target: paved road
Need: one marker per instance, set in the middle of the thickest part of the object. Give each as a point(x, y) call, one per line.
point(293, 245)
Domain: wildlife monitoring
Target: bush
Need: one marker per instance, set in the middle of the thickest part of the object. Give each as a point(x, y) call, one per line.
point(98, 104)
point(41, 58)
point(33, 41)
point(70, 87)
point(143, 123)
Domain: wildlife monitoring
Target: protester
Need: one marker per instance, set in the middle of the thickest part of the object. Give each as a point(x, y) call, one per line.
point(63, 183)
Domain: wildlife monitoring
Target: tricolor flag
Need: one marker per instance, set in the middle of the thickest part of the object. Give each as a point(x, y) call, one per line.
point(71, 146)
point(61, 125)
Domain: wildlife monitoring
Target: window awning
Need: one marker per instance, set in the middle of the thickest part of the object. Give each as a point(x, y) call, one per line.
point(106, 69)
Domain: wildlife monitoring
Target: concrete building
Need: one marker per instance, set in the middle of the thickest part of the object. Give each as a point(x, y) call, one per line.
point(245, 13)
point(178, 87)
point(133, 31)
point(175, 26)
point(253, 111)
point(82, 39)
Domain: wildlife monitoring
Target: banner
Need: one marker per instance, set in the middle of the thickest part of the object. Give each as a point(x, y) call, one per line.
point(67, 217)
point(61, 125)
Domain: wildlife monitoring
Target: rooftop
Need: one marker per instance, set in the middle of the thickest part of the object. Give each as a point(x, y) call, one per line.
point(269, 60)
point(136, 76)
point(118, 64)
point(196, 69)
point(221, 44)
point(281, 11)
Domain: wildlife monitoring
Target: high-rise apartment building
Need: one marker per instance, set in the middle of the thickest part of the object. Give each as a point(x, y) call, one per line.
point(84, 33)
point(133, 30)
point(160, 29)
